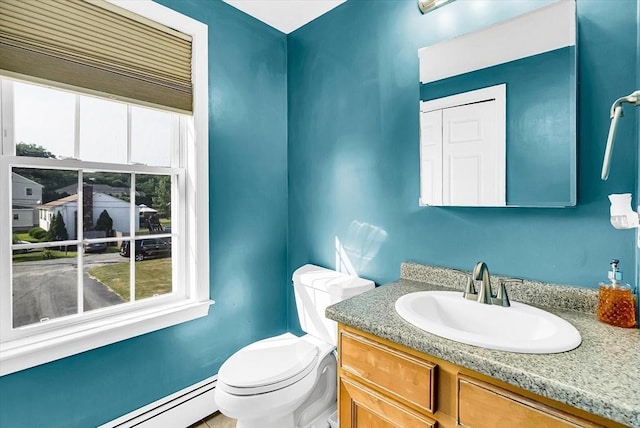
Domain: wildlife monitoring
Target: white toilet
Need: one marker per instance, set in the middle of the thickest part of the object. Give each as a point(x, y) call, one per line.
point(288, 381)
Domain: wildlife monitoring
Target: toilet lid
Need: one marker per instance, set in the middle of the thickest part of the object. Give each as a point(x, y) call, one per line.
point(268, 361)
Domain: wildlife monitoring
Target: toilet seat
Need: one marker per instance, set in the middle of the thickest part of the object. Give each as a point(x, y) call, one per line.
point(268, 365)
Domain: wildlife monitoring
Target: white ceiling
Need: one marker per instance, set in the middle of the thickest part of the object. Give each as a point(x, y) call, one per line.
point(285, 15)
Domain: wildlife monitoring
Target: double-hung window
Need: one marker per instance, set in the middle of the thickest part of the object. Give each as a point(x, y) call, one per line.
point(103, 194)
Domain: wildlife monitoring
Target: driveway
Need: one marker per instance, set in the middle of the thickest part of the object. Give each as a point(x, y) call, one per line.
point(47, 289)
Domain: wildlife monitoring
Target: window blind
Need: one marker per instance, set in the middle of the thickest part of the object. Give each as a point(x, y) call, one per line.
point(96, 46)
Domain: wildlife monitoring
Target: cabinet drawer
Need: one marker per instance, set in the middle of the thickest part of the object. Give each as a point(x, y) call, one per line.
point(400, 375)
point(484, 405)
point(361, 407)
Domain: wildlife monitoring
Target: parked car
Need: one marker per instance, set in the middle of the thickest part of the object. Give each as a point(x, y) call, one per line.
point(95, 247)
point(147, 248)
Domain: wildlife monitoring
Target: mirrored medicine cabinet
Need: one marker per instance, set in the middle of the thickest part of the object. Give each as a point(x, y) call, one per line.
point(515, 149)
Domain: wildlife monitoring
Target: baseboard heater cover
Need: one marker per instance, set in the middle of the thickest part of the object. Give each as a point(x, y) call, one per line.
point(180, 409)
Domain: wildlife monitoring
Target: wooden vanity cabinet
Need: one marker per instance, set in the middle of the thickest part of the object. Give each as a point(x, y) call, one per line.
point(366, 408)
point(382, 384)
point(385, 387)
point(483, 404)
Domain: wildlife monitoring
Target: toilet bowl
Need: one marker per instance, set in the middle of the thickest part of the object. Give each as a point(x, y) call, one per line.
point(266, 383)
point(287, 381)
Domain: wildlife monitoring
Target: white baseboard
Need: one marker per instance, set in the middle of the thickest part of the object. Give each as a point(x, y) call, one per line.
point(180, 409)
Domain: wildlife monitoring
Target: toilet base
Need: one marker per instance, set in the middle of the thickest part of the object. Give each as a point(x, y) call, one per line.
point(267, 422)
point(321, 421)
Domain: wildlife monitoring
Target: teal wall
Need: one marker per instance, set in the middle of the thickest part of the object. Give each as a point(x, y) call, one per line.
point(353, 148)
point(349, 85)
point(248, 209)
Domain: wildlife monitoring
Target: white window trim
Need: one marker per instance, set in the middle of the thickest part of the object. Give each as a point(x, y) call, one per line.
point(23, 353)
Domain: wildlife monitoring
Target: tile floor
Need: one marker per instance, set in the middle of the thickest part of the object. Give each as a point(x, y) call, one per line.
point(217, 420)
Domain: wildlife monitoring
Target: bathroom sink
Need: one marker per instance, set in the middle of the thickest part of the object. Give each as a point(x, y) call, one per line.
point(518, 328)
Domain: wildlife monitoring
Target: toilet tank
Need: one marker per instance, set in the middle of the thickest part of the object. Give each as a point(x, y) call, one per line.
point(316, 288)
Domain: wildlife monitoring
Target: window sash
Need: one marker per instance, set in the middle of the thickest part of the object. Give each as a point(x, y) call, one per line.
point(178, 126)
point(178, 251)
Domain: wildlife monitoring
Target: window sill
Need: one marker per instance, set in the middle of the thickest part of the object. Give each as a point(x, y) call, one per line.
point(32, 351)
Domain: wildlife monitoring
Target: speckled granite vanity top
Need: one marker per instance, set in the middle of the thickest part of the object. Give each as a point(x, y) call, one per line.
point(601, 376)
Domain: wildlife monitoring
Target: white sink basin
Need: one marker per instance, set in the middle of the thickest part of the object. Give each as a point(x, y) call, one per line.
point(519, 328)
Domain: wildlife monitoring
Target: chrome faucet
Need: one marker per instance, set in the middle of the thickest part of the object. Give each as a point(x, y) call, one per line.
point(481, 273)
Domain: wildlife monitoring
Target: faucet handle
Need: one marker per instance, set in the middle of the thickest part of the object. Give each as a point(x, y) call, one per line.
point(470, 290)
point(502, 298)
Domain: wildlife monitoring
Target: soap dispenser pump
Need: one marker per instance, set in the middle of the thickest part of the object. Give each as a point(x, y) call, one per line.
point(616, 302)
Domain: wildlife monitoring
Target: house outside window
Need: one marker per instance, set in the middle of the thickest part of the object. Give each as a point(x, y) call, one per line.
point(97, 161)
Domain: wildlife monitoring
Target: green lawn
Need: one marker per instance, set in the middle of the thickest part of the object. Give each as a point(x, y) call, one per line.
point(28, 238)
point(41, 254)
point(153, 277)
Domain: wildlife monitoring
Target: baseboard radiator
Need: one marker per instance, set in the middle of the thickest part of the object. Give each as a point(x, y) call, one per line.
point(179, 410)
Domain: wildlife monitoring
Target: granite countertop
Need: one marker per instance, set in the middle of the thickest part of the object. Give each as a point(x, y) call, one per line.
point(601, 376)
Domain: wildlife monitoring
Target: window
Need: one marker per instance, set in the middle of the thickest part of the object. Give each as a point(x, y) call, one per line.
point(94, 209)
point(123, 235)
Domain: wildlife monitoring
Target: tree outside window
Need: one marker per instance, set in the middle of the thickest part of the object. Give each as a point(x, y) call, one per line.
point(58, 230)
point(104, 222)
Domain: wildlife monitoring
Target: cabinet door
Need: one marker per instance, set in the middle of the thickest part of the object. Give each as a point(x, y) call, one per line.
point(484, 405)
point(361, 407)
point(399, 375)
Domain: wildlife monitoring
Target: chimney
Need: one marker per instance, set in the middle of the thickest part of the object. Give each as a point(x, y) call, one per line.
point(87, 206)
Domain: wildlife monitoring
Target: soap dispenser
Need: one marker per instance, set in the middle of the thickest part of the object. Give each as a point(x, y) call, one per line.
point(616, 302)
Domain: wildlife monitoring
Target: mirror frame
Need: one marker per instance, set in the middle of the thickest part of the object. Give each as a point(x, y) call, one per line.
point(541, 128)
